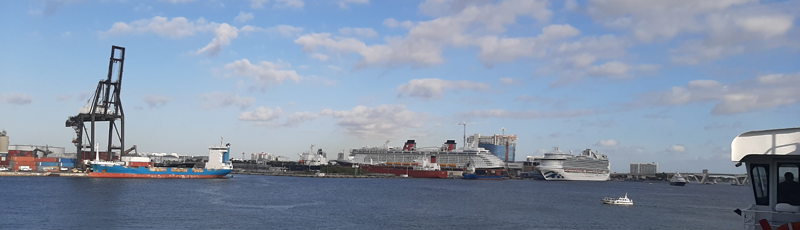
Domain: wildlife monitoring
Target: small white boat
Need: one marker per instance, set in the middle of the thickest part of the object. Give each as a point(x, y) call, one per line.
point(620, 201)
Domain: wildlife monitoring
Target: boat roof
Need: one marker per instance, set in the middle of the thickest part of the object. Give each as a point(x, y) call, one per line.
point(774, 142)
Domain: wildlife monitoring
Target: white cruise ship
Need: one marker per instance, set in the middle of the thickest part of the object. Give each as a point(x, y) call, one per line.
point(447, 156)
point(590, 166)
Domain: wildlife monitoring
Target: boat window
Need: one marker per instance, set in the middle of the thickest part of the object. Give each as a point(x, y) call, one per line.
point(788, 185)
point(760, 179)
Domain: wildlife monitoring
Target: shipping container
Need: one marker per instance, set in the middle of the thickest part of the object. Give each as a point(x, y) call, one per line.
point(5, 163)
point(136, 159)
point(66, 160)
point(20, 159)
point(140, 164)
point(68, 165)
point(48, 164)
point(17, 163)
point(47, 159)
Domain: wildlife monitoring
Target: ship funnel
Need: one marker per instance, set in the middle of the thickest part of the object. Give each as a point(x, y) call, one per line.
point(450, 145)
point(410, 145)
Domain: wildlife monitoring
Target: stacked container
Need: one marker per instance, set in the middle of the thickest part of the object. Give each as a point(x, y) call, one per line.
point(138, 161)
point(66, 162)
point(18, 161)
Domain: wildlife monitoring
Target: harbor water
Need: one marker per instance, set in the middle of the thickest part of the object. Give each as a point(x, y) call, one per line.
point(275, 202)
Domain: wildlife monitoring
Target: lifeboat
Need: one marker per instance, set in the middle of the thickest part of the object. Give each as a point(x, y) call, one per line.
point(452, 165)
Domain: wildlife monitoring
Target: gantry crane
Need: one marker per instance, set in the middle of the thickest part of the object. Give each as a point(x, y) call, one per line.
point(105, 106)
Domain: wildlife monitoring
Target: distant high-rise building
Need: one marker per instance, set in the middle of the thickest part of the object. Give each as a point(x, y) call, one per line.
point(646, 168)
point(497, 145)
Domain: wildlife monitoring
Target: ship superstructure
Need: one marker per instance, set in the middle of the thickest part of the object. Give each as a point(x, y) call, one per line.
point(447, 156)
point(588, 165)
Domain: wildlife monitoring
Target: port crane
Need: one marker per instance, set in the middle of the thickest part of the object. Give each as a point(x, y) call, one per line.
point(465, 130)
point(105, 106)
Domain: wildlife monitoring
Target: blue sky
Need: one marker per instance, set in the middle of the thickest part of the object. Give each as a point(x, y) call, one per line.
point(671, 82)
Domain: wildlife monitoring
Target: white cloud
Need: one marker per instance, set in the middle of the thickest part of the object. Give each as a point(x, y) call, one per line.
point(509, 81)
point(343, 3)
point(16, 98)
point(225, 33)
point(530, 114)
point(392, 23)
point(261, 114)
point(258, 4)
point(286, 30)
point(299, 118)
point(264, 73)
point(155, 101)
point(180, 27)
point(433, 88)
point(321, 57)
point(221, 100)
point(297, 4)
point(612, 69)
point(571, 5)
point(718, 28)
point(174, 28)
point(244, 17)
point(378, 122)
point(335, 68)
point(762, 92)
point(529, 98)
point(606, 143)
point(361, 32)
point(767, 25)
point(676, 149)
point(425, 41)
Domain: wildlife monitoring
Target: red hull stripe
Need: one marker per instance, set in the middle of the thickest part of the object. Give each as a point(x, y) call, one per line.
point(131, 175)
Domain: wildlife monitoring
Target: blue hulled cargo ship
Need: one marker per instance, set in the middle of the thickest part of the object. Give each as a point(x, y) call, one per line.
point(218, 166)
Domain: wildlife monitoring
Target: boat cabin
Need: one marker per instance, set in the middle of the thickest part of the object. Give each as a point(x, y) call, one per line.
point(772, 159)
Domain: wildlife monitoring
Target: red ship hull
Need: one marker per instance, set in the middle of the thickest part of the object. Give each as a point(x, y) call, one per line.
point(401, 171)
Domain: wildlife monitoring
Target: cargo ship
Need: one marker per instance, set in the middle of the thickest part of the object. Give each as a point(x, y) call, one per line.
point(218, 166)
point(471, 173)
point(423, 168)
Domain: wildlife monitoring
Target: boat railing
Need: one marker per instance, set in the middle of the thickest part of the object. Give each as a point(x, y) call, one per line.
point(753, 216)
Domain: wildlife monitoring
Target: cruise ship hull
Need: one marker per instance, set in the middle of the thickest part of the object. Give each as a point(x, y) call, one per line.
point(116, 171)
point(403, 171)
point(559, 174)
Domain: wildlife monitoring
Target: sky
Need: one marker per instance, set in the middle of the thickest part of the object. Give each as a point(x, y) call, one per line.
point(671, 82)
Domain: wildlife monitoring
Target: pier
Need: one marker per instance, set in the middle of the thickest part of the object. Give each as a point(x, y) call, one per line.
point(701, 178)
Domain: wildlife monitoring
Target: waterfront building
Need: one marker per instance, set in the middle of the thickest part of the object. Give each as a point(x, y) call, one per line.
point(644, 168)
point(502, 146)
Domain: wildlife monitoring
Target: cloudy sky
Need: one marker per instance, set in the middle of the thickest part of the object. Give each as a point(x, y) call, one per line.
point(671, 82)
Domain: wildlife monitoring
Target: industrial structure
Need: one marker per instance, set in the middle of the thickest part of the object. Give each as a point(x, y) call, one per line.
point(105, 106)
